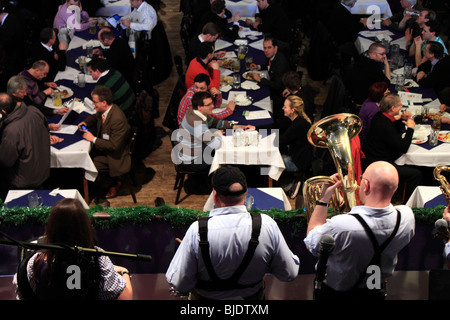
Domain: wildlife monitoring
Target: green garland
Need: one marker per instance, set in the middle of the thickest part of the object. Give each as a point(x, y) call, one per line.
point(175, 216)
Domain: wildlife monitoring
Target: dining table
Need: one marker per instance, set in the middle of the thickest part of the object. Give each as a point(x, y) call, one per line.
point(257, 110)
point(48, 198)
point(369, 7)
point(114, 7)
point(73, 151)
point(426, 197)
point(259, 198)
point(246, 8)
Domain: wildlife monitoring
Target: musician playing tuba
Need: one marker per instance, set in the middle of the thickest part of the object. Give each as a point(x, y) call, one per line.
point(355, 256)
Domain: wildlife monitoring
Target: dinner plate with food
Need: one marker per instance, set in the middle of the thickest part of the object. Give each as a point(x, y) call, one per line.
point(419, 140)
point(227, 63)
point(444, 136)
point(64, 91)
point(224, 80)
point(248, 75)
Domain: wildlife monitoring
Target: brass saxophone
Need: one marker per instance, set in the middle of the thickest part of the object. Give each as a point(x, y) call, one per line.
point(334, 132)
point(445, 188)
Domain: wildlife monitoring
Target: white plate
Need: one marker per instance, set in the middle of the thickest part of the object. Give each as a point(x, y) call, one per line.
point(247, 77)
point(69, 91)
point(443, 132)
point(419, 141)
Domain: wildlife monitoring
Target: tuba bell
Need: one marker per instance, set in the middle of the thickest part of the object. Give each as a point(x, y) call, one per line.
point(445, 187)
point(334, 132)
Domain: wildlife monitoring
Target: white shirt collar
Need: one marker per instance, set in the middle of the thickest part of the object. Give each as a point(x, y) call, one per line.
point(49, 48)
point(106, 112)
point(201, 115)
point(3, 20)
point(104, 73)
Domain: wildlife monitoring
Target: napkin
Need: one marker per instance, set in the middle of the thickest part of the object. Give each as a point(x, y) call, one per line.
point(257, 44)
point(225, 72)
point(225, 88)
point(93, 43)
point(401, 42)
point(230, 54)
point(89, 104)
point(249, 85)
point(78, 107)
point(265, 104)
point(68, 74)
point(246, 32)
point(221, 44)
point(76, 42)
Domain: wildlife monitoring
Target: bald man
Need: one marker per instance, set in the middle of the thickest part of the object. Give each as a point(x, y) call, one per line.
point(349, 274)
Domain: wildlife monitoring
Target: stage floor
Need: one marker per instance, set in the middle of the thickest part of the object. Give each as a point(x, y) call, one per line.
point(404, 285)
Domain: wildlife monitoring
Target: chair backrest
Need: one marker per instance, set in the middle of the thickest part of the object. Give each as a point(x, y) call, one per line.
point(133, 138)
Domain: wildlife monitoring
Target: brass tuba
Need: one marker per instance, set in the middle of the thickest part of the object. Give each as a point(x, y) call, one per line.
point(445, 188)
point(334, 132)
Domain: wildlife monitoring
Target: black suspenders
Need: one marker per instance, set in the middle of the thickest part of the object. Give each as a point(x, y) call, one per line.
point(217, 284)
point(376, 259)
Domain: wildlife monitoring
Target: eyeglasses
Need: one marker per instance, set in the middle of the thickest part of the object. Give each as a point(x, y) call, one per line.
point(381, 53)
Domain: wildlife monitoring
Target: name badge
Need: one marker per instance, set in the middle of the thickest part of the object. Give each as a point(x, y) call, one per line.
point(106, 136)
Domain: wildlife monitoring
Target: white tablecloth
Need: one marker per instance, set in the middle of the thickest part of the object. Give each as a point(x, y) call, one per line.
point(265, 154)
point(66, 193)
point(246, 8)
point(422, 195)
point(368, 6)
point(112, 7)
point(75, 156)
point(277, 193)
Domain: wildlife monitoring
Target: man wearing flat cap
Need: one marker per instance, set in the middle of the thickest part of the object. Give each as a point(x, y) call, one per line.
point(226, 255)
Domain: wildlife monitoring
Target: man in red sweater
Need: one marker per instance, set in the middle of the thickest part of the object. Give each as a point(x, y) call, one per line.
point(203, 64)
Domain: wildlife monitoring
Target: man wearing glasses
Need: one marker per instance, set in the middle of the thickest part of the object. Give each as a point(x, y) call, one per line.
point(371, 66)
point(111, 139)
point(385, 140)
point(352, 262)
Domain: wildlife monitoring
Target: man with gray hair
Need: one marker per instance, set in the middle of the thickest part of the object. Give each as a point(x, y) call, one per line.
point(17, 88)
point(24, 146)
point(408, 7)
point(385, 142)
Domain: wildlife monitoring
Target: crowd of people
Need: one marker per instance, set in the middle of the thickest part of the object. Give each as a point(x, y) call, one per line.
point(214, 273)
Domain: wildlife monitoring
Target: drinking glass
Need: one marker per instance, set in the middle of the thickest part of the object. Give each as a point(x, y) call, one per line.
point(81, 80)
point(408, 70)
point(34, 200)
point(236, 80)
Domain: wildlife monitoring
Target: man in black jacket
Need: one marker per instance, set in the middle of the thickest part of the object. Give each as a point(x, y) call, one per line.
point(384, 141)
point(434, 73)
point(217, 16)
point(24, 146)
point(277, 65)
point(52, 52)
point(273, 20)
point(119, 56)
point(367, 71)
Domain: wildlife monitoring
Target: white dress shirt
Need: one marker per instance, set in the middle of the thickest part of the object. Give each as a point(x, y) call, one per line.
point(353, 249)
point(229, 231)
point(143, 18)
